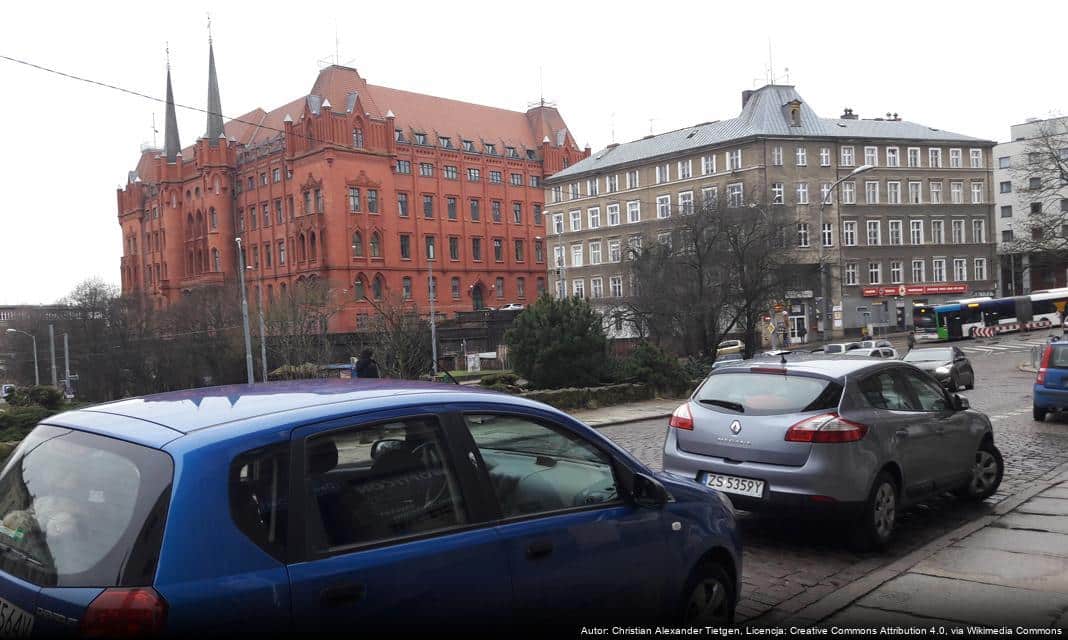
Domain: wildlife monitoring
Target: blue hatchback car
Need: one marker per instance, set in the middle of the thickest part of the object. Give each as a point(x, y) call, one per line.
point(334, 505)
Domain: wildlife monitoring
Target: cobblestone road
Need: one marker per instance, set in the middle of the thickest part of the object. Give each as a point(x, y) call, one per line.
point(790, 565)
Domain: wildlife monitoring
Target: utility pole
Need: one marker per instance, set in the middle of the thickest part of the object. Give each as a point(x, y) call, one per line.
point(433, 321)
point(263, 332)
point(244, 311)
point(52, 349)
point(66, 361)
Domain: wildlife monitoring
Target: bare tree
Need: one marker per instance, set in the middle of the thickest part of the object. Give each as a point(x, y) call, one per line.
point(715, 270)
point(297, 323)
point(400, 337)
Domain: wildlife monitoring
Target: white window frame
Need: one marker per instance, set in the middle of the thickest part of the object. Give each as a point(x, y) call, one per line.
point(684, 170)
point(934, 189)
point(897, 225)
point(709, 197)
point(776, 155)
point(634, 211)
point(734, 160)
point(576, 220)
point(801, 156)
point(913, 158)
point(802, 235)
point(595, 252)
point(938, 231)
point(878, 227)
point(632, 179)
point(801, 191)
point(934, 157)
point(979, 269)
point(827, 234)
point(850, 276)
point(875, 273)
point(849, 192)
point(957, 231)
point(597, 287)
point(559, 256)
point(615, 286)
point(615, 251)
point(663, 207)
point(868, 193)
point(960, 269)
point(975, 158)
point(825, 192)
point(897, 272)
point(558, 223)
point(593, 218)
point(663, 173)
point(847, 156)
point(777, 193)
point(708, 164)
point(956, 158)
point(977, 191)
point(922, 264)
point(893, 192)
point(915, 192)
point(825, 156)
point(578, 287)
point(893, 153)
point(593, 187)
point(849, 233)
point(956, 192)
point(736, 194)
point(577, 254)
point(685, 200)
point(871, 156)
point(612, 213)
point(938, 265)
point(914, 237)
point(611, 183)
point(978, 231)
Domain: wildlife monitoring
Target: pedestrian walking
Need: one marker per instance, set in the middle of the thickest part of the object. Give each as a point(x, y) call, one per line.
point(801, 333)
point(911, 340)
point(366, 367)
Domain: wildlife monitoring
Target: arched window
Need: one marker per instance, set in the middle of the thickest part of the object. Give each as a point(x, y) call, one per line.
point(189, 264)
point(200, 224)
point(218, 186)
point(455, 288)
point(212, 215)
point(216, 264)
point(199, 262)
point(376, 245)
point(357, 245)
point(359, 289)
point(312, 246)
point(377, 286)
point(302, 247)
point(357, 138)
point(189, 226)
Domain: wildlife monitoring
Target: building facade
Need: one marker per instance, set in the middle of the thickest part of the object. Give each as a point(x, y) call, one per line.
point(1017, 200)
point(362, 187)
point(914, 228)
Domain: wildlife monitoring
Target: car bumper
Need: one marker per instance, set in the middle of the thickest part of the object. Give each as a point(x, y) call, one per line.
point(823, 486)
point(1046, 398)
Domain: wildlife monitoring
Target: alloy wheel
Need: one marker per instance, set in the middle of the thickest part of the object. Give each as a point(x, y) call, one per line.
point(708, 603)
point(884, 510)
point(984, 472)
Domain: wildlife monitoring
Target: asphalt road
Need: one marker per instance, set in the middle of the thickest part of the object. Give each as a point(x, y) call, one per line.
point(789, 565)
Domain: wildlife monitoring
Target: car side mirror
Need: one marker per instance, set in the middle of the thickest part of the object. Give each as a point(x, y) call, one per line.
point(382, 447)
point(961, 404)
point(648, 492)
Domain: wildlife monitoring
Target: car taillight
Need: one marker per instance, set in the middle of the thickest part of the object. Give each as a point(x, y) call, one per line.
point(1046, 354)
point(682, 418)
point(829, 427)
point(125, 613)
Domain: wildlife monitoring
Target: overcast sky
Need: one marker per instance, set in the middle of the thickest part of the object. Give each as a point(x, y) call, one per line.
point(611, 67)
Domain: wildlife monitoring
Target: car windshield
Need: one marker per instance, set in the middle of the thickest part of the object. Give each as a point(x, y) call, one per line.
point(768, 393)
point(834, 348)
point(929, 355)
point(81, 510)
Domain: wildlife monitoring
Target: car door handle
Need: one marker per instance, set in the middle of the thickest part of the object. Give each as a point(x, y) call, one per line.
point(902, 433)
point(539, 549)
point(341, 595)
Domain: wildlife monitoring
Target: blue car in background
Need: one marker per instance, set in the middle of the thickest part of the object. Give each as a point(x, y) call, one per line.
point(1051, 381)
point(336, 505)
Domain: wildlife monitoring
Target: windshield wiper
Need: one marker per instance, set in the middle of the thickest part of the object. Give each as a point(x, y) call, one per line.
point(6, 548)
point(727, 404)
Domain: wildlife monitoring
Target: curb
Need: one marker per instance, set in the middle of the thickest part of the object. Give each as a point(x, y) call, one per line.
point(614, 423)
point(843, 597)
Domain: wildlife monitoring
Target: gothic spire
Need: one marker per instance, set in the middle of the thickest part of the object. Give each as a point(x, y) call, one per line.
point(171, 146)
point(215, 119)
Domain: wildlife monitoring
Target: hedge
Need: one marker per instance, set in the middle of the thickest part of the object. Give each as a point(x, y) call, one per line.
point(592, 397)
point(16, 422)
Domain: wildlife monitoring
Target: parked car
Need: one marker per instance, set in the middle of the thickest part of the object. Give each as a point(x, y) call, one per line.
point(511, 306)
point(729, 346)
point(853, 438)
point(6, 390)
point(725, 360)
point(870, 344)
point(332, 505)
point(1051, 382)
point(948, 365)
point(840, 347)
point(873, 352)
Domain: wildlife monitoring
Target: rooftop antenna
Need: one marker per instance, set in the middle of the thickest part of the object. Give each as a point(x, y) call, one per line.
point(651, 126)
point(787, 75)
point(771, 65)
point(613, 127)
point(337, 45)
point(541, 85)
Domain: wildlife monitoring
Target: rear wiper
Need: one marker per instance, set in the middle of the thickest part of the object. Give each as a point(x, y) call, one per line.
point(727, 404)
point(6, 548)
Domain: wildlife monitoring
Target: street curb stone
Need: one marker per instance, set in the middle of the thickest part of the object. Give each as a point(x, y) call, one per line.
point(654, 416)
point(847, 595)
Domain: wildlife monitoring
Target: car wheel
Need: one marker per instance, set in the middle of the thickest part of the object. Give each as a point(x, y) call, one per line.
point(954, 383)
point(987, 471)
point(1039, 414)
point(879, 517)
point(709, 597)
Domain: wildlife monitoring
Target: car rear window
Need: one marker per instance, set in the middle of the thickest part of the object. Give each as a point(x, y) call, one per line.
point(81, 510)
point(1059, 358)
point(768, 393)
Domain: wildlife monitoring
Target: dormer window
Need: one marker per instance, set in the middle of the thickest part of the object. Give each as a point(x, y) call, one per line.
point(531, 155)
point(398, 135)
point(490, 148)
point(469, 146)
point(357, 138)
point(793, 113)
point(420, 138)
point(445, 143)
point(511, 152)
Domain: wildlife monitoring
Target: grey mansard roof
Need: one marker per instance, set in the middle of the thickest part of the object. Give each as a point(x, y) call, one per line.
point(764, 114)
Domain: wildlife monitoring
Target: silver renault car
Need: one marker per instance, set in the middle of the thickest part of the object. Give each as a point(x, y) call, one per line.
point(855, 438)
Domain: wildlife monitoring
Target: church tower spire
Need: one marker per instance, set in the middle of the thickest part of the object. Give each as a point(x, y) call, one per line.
point(215, 119)
point(171, 146)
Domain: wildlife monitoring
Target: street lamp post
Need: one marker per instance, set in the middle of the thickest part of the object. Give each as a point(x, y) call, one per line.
point(433, 320)
point(36, 372)
point(263, 340)
point(821, 270)
point(244, 311)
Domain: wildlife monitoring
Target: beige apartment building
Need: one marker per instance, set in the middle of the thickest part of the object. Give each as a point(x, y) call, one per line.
point(913, 227)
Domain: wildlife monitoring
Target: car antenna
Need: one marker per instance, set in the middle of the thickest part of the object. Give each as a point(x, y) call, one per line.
point(782, 358)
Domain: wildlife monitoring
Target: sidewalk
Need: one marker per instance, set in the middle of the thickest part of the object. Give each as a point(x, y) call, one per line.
point(630, 412)
point(1005, 569)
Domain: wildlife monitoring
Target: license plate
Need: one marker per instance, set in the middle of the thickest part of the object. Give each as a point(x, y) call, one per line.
point(733, 484)
point(15, 622)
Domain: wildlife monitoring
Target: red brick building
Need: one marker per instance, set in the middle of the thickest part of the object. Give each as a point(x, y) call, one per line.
point(359, 185)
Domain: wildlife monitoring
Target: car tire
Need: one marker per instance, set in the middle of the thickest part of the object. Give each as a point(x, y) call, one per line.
point(708, 598)
point(954, 383)
point(879, 516)
point(987, 471)
point(1039, 414)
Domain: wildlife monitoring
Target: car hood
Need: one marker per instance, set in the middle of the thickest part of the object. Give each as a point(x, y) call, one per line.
point(930, 365)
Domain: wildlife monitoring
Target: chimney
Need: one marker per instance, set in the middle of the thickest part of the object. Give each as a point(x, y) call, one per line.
point(848, 114)
point(748, 93)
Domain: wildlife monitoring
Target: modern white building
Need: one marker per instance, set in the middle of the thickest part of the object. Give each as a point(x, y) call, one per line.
point(1022, 272)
